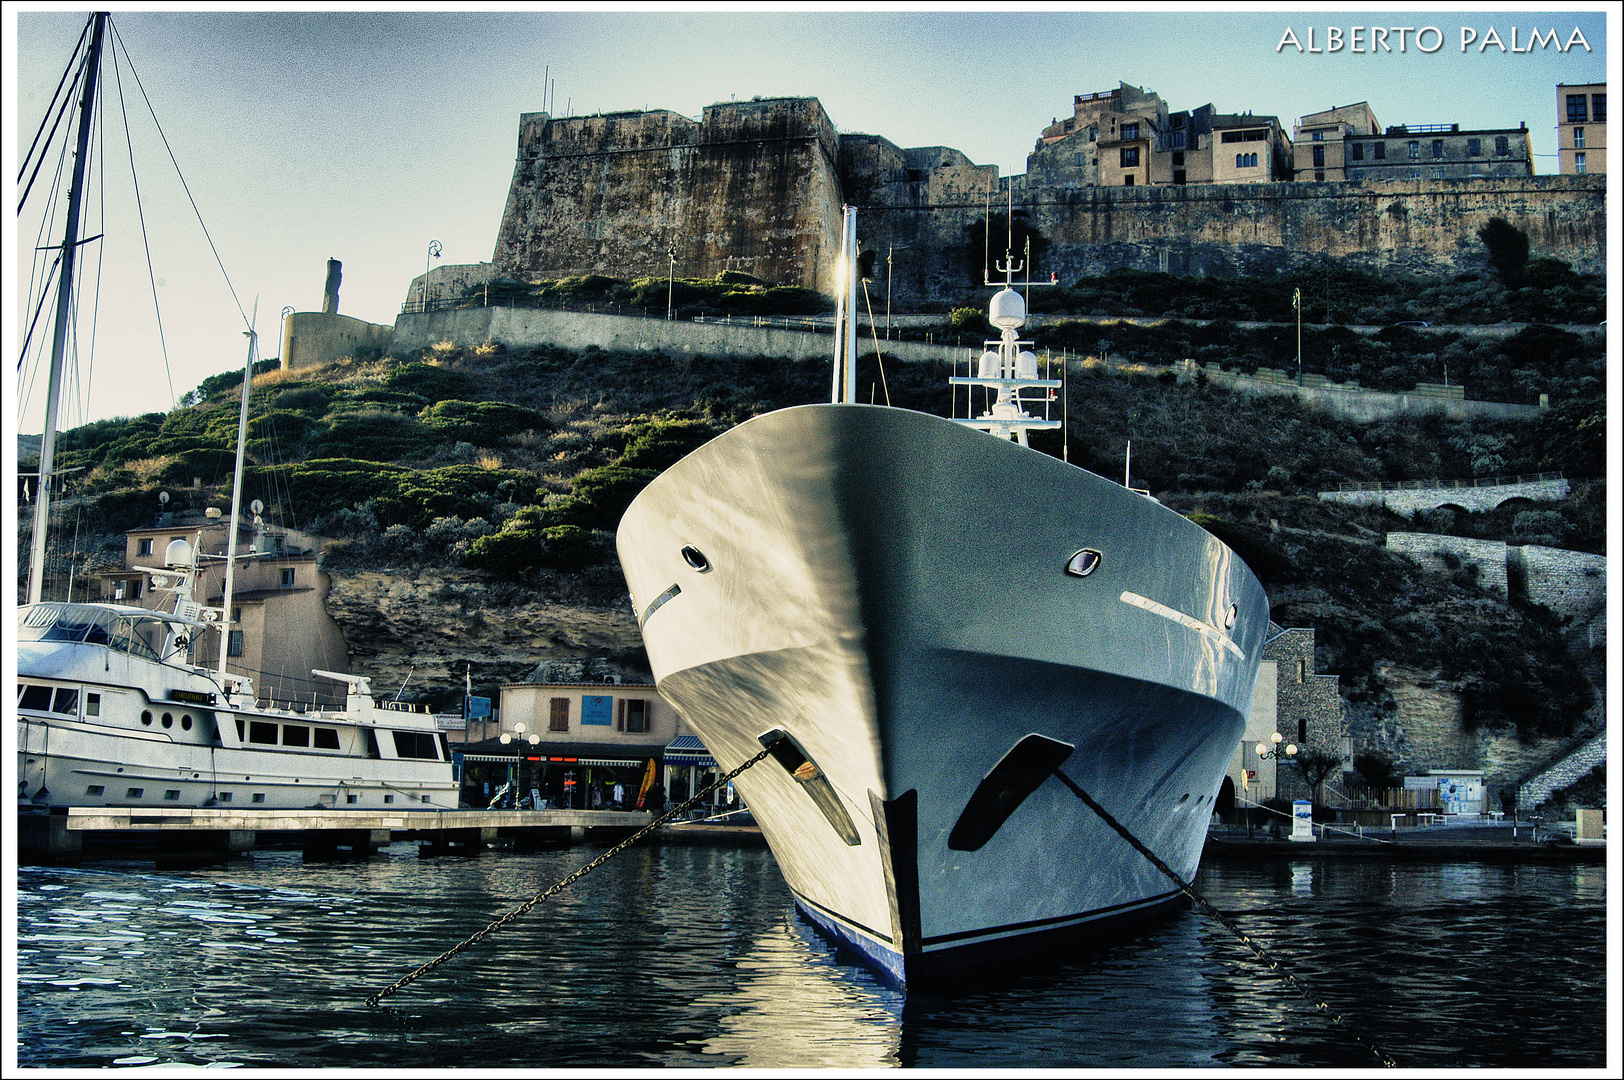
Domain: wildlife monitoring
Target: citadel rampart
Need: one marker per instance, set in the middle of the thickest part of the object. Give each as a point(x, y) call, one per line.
point(757, 187)
point(751, 187)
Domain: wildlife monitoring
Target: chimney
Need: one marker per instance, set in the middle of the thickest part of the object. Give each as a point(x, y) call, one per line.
point(329, 299)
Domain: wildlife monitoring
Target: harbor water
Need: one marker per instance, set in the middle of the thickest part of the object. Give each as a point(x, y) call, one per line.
point(693, 956)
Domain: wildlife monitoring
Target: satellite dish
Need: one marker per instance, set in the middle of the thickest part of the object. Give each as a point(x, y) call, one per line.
point(257, 507)
point(163, 498)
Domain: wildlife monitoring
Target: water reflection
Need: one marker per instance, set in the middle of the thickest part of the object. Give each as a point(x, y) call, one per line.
point(693, 957)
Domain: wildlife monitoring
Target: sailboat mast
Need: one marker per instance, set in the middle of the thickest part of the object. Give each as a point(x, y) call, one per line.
point(64, 307)
point(236, 503)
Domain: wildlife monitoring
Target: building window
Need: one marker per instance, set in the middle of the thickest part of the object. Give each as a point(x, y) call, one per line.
point(1176, 139)
point(1358, 151)
point(1381, 151)
point(1578, 163)
point(235, 649)
point(1415, 150)
point(1130, 131)
point(1598, 108)
point(1319, 157)
point(1319, 174)
point(1093, 132)
point(1474, 147)
point(634, 715)
point(1319, 136)
point(1437, 148)
point(1127, 181)
point(1130, 156)
point(1502, 145)
point(1080, 158)
point(287, 577)
point(559, 718)
point(1245, 161)
point(144, 547)
point(1579, 138)
point(1576, 109)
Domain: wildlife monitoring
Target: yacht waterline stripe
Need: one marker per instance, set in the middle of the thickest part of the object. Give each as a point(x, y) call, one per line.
point(1189, 622)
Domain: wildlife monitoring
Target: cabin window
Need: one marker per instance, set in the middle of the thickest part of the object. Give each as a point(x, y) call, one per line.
point(240, 735)
point(416, 744)
point(92, 704)
point(169, 720)
point(372, 744)
point(388, 798)
point(172, 795)
point(329, 800)
point(325, 739)
point(224, 796)
point(261, 732)
point(295, 735)
point(37, 698)
point(634, 715)
point(133, 793)
point(93, 789)
point(186, 723)
point(259, 797)
point(67, 701)
point(146, 721)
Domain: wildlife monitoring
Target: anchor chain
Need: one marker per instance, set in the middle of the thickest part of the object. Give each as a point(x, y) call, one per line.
point(560, 886)
point(1207, 909)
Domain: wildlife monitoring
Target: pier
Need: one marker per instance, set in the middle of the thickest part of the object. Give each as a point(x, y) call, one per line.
point(323, 833)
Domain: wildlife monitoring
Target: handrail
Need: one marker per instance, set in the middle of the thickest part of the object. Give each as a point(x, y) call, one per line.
point(1447, 485)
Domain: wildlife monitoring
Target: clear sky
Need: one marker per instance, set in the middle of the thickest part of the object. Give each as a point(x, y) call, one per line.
point(362, 134)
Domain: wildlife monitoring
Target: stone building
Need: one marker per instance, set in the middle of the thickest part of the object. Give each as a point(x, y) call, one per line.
point(1302, 706)
point(1581, 128)
point(1108, 139)
point(281, 629)
point(1319, 146)
point(1437, 152)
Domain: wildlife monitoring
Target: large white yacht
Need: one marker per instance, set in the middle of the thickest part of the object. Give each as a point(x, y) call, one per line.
point(927, 621)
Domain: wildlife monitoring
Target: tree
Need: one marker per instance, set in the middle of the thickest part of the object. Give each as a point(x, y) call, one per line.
point(1376, 768)
point(1316, 767)
point(1508, 248)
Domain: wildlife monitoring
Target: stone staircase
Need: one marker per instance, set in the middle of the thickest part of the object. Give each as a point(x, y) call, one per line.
point(1566, 769)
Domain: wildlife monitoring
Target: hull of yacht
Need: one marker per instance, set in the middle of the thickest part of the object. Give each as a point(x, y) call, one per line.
point(101, 725)
point(891, 591)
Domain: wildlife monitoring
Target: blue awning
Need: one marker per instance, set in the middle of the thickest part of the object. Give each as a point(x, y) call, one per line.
point(688, 750)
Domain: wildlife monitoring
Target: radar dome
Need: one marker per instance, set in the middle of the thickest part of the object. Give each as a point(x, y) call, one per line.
point(1007, 310)
point(990, 365)
point(1026, 365)
point(178, 553)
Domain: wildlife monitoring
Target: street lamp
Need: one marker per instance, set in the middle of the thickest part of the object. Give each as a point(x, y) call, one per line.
point(1297, 303)
point(434, 253)
point(670, 278)
point(1273, 750)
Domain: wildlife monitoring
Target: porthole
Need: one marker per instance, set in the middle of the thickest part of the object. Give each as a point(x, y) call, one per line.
point(186, 722)
point(1230, 616)
point(1083, 563)
point(146, 717)
point(169, 721)
point(695, 558)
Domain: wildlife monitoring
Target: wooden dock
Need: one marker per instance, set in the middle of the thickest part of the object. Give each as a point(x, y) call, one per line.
point(321, 832)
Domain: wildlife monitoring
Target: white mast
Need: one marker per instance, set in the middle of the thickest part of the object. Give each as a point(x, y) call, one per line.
point(64, 302)
point(849, 246)
point(236, 499)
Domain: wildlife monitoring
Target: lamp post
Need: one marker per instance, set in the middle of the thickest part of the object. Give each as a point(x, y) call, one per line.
point(1297, 304)
point(434, 253)
point(1273, 750)
point(670, 278)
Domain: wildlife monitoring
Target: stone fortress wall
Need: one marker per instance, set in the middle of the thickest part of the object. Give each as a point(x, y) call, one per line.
point(758, 186)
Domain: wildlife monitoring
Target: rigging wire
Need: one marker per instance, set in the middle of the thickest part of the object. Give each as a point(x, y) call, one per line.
point(141, 214)
point(61, 111)
point(119, 43)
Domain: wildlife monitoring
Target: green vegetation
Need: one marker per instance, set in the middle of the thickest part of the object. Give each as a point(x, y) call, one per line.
point(729, 293)
point(518, 464)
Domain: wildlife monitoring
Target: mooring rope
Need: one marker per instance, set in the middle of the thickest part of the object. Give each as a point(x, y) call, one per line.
point(1207, 909)
point(503, 920)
